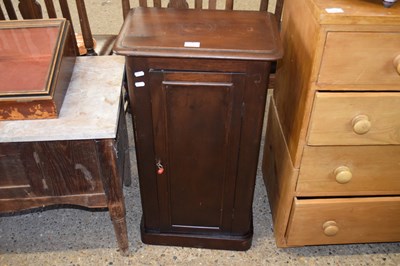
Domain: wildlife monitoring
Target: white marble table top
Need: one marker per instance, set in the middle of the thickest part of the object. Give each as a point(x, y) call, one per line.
point(90, 109)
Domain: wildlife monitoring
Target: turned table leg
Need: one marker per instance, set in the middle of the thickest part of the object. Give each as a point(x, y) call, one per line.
point(112, 182)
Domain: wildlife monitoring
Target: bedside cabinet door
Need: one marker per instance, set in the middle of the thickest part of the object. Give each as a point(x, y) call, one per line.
point(196, 126)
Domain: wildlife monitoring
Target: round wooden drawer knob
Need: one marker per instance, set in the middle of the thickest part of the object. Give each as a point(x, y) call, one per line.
point(361, 124)
point(330, 228)
point(396, 63)
point(343, 174)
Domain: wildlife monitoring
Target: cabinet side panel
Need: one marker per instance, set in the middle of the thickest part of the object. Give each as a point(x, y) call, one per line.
point(294, 74)
point(140, 103)
point(253, 111)
point(279, 176)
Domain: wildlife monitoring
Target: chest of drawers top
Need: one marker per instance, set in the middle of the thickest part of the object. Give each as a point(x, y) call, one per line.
point(354, 12)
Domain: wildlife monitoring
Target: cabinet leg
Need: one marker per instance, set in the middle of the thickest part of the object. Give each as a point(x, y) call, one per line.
point(120, 229)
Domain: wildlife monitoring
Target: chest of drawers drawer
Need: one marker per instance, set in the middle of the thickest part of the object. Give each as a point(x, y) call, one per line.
point(361, 118)
point(361, 58)
point(349, 171)
point(332, 162)
point(345, 220)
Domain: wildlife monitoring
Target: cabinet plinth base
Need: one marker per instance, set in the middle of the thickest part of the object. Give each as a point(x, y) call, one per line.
point(225, 242)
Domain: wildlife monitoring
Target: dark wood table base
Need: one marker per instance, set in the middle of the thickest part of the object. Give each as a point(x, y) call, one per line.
point(87, 173)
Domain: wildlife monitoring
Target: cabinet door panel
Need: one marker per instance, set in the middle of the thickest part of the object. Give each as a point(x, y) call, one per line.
point(196, 121)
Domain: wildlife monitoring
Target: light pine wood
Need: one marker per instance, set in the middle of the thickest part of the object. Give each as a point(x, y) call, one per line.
point(354, 11)
point(396, 63)
point(375, 171)
point(337, 117)
point(279, 175)
point(292, 95)
point(337, 106)
point(358, 63)
point(352, 220)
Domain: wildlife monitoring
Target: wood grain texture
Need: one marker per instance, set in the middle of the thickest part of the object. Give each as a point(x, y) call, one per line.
point(209, 108)
point(79, 172)
point(359, 220)
point(321, 95)
point(359, 11)
point(180, 98)
point(292, 95)
point(375, 171)
point(333, 114)
point(112, 180)
point(206, 188)
point(170, 39)
point(279, 176)
point(358, 63)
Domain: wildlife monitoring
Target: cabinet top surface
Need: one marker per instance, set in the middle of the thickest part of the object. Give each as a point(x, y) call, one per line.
point(355, 12)
point(90, 109)
point(169, 32)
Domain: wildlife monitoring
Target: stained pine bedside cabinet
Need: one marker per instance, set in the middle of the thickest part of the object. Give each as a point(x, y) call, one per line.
point(332, 152)
point(76, 159)
point(197, 84)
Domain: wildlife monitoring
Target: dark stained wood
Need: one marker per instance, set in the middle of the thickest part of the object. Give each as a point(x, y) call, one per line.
point(106, 150)
point(85, 27)
point(10, 9)
point(30, 9)
point(157, 3)
point(51, 11)
point(78, 172)
point(2, 17)
point(178, 4)
point(67, 14)
point(263, 43)
point(126, 7)
point(139, 102)
point(143, 3)
point(279, 10)
point(212, 4)
point(198, 4)
point(229, 5)
point(198, 119)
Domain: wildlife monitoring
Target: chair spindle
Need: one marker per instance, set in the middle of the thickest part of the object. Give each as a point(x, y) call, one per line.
point(10, 9)
point(178, 4)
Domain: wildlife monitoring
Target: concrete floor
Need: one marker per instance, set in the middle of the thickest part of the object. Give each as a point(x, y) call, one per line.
point(79, 237)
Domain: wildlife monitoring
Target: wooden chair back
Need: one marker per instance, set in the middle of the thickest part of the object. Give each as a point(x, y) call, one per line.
point(34, 9)
point(211, 4)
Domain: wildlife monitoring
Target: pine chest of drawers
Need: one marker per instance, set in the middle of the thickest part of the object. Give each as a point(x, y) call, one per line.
point(332, 153)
